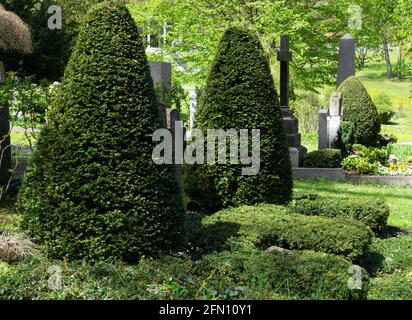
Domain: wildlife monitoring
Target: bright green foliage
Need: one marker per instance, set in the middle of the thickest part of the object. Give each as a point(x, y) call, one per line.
point(326, 158)
point(92, 190)
point(266, 225)
point(240, 94)
point(373, 213)
point(360, 110)
point(359, 165)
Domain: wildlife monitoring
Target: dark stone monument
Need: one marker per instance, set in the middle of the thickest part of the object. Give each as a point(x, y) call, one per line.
point(290, 123)
point(161, 73)
point(346, 67)
point(5, 145)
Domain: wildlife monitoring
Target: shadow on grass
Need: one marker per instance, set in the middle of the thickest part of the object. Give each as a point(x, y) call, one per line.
point(201, 240)
point(372, 261)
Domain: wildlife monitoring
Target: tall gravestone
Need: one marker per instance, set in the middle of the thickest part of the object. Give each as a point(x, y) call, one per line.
point(330, 119)
point(346, 66)
point(290, 123)
point(5, 142)
point(161, 73)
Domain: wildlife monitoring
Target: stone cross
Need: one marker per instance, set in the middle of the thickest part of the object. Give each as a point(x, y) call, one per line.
point(5, 143)
point(284, 56)
point(346, 66)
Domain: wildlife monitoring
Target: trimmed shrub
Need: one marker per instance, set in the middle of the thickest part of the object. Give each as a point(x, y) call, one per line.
point(326, 158)
point(373, 213)
point(246, 274)
point(240, 94)
point(266, 225)
point(92, 190)
point(360, 110)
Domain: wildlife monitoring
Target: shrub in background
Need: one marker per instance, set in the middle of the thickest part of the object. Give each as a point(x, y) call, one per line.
point(373, 213)
point(360, 110)
point(305, 108)
point(92, 190)
point(326, 158)
point(385, 108)
point(240, 94)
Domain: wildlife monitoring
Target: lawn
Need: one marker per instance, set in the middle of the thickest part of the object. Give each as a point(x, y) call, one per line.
point(392, 278)
point(375, 80)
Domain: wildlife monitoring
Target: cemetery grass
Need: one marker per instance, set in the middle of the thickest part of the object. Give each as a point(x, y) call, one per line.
point(375, 80)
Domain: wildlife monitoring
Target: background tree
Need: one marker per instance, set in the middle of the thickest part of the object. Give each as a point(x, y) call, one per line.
point(51, 48)
point(14, 37)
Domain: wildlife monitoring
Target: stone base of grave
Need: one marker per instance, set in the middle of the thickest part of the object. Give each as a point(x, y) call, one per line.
point(296, 151)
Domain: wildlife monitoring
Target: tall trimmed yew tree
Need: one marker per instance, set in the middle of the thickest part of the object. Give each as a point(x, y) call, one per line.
point(359, 109)
point(240, 94)
point(92, 190)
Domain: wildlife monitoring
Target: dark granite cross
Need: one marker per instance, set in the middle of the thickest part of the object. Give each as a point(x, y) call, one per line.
point(284, 56)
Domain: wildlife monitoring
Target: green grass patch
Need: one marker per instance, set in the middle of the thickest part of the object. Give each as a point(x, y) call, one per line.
point(399, 199)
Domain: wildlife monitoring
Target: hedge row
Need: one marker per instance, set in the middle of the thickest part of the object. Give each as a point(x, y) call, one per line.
point(373, 213)
point(246, 274)
point(266, 225)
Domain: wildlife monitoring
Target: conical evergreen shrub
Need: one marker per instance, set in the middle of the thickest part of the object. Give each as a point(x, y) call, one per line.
point(360, 110)
point(240, 94)
point(92, 190)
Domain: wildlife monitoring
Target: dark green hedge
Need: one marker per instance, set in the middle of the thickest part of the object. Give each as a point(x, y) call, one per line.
point(245, 274)
point(373, 213)
point(326, 158)
point(240, 94)
point(92, 190)
point(360, 110)
point(267, 225)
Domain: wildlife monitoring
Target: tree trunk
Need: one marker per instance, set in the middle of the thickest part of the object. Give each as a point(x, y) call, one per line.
point(399, 69)
point(389, 71)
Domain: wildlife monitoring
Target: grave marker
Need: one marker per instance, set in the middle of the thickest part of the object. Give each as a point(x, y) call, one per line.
point(346, 66)
point(290, 123)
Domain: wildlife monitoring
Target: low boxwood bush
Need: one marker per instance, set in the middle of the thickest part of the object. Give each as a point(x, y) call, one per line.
point(326, 158)
point(245, 274)
point(373, 213)
point(266, 225)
